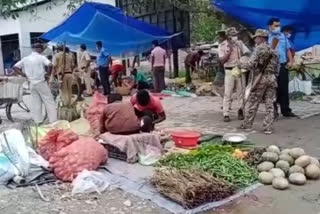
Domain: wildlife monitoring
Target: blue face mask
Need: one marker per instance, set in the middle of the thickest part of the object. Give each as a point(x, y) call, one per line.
point(276, 30)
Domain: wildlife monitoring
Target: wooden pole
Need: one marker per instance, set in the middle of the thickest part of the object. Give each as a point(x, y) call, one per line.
point(174, 49)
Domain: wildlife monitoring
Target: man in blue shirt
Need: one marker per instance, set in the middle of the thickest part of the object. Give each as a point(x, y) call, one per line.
point(288, 32)
point(103, 62)
point(279, 42)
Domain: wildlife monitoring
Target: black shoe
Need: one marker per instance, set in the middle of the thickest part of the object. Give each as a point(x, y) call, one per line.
point(290, 115)
point(245, 128)
point(240, 115)
point(226, 119)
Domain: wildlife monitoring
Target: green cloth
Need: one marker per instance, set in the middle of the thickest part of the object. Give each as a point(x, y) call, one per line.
point(141, 77)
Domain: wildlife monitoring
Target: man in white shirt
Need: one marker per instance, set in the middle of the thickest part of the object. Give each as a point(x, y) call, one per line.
point(33, 67)
point(83, 59)
point(158, 64)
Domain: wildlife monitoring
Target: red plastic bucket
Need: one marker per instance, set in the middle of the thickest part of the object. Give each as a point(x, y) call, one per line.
point(185, 139)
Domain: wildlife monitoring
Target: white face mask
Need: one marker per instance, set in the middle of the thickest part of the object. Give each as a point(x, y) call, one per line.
point(234, 38)
point(276, 30)
point(289, 35)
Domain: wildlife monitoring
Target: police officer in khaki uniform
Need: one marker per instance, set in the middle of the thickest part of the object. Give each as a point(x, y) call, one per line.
point(235, 49)
point(64, 64)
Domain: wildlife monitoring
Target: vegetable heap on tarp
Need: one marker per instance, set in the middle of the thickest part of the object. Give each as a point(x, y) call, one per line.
point(216, 160)
point(190, 188)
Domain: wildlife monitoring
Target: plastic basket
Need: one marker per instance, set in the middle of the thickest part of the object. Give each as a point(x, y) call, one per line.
point(12, 89)
point(185, 139)
point(114, 152)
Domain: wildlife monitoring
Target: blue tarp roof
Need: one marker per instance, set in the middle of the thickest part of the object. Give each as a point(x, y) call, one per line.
point(121, 35)
point(303, 15)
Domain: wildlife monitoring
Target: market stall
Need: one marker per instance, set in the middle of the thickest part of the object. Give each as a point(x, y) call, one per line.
point(121, 35)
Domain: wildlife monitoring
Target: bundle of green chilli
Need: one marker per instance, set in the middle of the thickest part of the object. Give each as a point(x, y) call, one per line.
point(216, 160)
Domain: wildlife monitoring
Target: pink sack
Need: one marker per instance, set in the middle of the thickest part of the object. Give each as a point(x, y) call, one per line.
point(85, 153)
point(55, 140)
point(94, 113)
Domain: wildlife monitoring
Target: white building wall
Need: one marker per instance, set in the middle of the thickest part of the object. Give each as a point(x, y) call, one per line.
point(1, 60)
point(41, 21)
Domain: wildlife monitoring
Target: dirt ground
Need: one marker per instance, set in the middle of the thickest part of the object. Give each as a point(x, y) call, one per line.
point(203, 115)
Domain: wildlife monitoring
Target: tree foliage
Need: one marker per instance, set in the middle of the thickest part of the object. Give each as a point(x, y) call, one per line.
point(204, 27)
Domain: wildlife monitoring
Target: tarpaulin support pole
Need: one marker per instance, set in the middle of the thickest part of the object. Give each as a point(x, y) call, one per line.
point(174, 49)
point(175, 63)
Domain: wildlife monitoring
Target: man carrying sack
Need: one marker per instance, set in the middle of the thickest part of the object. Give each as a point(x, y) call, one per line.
point(264, 68)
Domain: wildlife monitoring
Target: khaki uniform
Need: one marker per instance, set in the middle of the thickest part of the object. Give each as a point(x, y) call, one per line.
point(237, 49)
point(266, 88)
point(64, 64)
point(83, 59)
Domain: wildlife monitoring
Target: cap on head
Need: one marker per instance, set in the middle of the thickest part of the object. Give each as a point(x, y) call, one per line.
point(261, 33)
point(232, 31)
point(221, 32)
point(60, 47)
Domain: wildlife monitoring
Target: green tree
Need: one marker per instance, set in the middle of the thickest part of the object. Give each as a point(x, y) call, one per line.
point(204, 27)
point(204, 22)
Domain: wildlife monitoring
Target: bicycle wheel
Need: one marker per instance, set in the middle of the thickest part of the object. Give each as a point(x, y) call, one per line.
point(8, 112)
point(23, 106)
point(26, 104)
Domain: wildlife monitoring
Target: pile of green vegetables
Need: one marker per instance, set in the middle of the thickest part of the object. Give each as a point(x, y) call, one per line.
point(216, 160)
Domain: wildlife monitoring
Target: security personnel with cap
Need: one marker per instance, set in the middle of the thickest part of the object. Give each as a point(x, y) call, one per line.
point(235, 50)
point(264, 67)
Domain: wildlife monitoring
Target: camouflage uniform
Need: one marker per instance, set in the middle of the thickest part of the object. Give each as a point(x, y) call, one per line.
point(265, 89)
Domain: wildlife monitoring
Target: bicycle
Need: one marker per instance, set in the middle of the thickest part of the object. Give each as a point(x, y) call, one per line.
point(24, 102)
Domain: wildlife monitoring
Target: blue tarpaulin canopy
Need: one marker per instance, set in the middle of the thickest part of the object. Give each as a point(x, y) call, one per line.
point(303, 15)
point(121, 35)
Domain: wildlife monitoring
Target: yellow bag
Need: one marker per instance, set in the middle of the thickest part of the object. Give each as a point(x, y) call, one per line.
point(236, 72)
point(37, 133)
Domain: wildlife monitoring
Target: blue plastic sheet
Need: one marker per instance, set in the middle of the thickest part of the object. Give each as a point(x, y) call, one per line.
point(121, 35)
point(303, 15)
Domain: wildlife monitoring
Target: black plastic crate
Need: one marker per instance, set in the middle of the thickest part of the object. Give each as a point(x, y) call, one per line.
point(114, 152)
